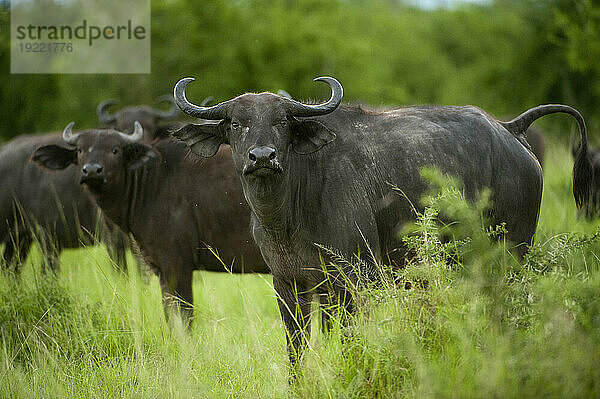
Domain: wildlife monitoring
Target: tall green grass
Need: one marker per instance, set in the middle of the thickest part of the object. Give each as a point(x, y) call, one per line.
point(463, 319)
point(94, 332)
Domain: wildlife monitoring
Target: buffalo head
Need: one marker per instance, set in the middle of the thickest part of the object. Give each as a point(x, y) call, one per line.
point(261, 128)
point(148, 117)
point(103, 155)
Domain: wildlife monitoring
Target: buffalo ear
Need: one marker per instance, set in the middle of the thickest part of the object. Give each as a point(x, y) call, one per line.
point(54, 157)
point(137, 155)
point(203, 139)
point(309, 136)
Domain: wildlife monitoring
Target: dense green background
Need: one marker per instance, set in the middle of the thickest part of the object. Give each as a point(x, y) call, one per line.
point(504, 56)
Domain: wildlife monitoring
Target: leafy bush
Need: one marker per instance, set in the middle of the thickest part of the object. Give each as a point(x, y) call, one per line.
point(469, 319)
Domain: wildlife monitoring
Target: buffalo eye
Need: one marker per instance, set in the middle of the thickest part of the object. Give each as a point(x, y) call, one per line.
point(79, 150)
point(235, 125)
point(282, 123)
point(115, 150)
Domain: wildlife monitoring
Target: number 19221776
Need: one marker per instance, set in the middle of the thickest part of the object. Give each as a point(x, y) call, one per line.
point(43, 47)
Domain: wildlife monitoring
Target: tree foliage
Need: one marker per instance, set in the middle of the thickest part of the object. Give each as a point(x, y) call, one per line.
point(504, 56)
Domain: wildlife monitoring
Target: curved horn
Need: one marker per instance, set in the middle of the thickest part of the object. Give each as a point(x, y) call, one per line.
point(68, 135)
point(337, 92)
point(136, 136)
point(214, 113)
point(103, 115)
point(171, 113)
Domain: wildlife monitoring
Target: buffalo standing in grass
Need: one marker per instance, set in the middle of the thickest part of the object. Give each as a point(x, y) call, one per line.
point(49, 207)
point(324, 174)
point(177, 207)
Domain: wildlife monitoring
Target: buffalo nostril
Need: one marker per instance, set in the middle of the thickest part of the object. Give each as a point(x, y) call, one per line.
point(262, 154)
point(91, 169)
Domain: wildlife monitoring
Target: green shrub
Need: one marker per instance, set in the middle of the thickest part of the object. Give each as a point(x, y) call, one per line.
point(469, 319)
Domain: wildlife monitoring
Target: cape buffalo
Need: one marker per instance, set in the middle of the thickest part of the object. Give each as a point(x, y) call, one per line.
point(325, 174)
point(37, 206)
point(176, 206)
point(150, 118)
point(32, 198)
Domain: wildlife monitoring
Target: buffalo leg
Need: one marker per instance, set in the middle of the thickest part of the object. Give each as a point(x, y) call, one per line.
point(334, 305)
point(345, 301)
point(325, 308)
point(117, 250)
point(177, 295)
point(295, 309)
point(8, 252)
point(16, 249)
point(51, 255)
point(116, 244)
